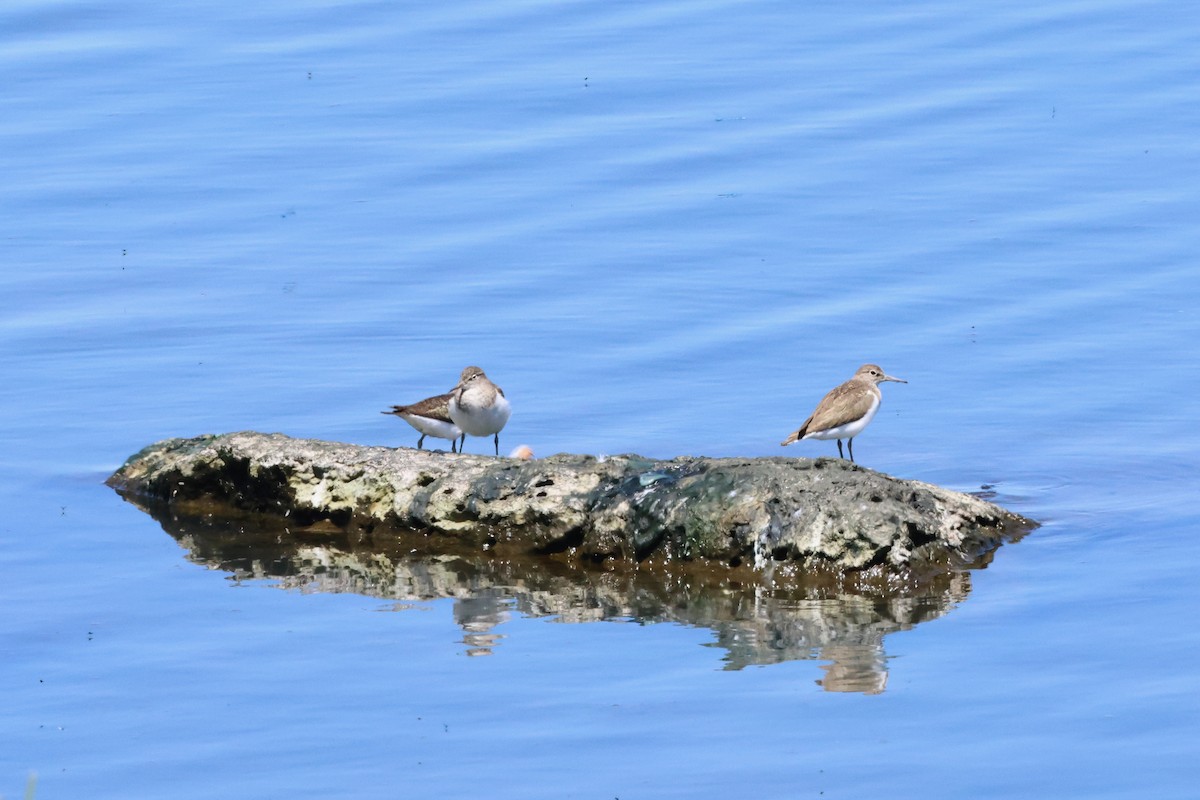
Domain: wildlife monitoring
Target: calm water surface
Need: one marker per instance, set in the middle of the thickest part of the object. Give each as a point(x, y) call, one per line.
point(664, 229)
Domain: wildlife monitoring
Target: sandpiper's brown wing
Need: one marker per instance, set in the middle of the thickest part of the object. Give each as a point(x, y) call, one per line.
point(437, 407)
point(844, 404)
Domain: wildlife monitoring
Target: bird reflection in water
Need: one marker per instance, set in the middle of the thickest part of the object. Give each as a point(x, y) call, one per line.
point(477, 616)
point(755, 620)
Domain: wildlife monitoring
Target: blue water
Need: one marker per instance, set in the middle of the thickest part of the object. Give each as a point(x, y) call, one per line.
point(661, 228)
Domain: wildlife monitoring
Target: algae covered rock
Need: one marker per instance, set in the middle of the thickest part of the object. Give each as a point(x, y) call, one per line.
point(732, 513)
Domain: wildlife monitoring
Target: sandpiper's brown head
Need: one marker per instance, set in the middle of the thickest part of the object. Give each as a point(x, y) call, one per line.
point(875, 374)
point(469, 374)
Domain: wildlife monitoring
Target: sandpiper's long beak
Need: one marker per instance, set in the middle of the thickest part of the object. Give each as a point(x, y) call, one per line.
point(890, 378)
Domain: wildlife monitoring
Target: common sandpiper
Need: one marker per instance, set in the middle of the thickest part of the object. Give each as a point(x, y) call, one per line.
point(847, 410)
point(478, 406)
point(431, 417)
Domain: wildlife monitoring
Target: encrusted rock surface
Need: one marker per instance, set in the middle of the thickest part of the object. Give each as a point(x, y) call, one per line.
point(822, 514)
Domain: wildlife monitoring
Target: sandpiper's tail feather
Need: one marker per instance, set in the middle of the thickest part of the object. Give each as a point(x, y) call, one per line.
point(797, 434)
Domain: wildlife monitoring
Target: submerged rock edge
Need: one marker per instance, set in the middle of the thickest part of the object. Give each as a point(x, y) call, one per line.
point(735, 512)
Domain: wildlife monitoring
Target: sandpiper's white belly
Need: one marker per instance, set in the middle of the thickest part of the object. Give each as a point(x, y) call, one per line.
point(432, 427)
point(850, 429)
point(480, 419)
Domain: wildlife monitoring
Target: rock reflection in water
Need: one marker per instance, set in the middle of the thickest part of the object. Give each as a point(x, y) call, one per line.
point(756, 619)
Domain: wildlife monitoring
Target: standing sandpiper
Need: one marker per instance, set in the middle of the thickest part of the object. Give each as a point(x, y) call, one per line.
point(478, 406)
point(431, 417)
point(844, 412)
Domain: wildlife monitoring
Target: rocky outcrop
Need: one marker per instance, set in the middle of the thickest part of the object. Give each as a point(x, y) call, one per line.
point(822, 516)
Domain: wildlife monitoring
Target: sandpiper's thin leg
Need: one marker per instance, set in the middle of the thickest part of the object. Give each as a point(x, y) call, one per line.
point(497, 444)
point(420, 442)
point(840, 455)
point(850, 444)
point(462, 442)
point(454, 445)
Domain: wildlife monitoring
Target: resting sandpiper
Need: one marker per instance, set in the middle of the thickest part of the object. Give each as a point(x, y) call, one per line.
point(431, 417)
point(478, 406)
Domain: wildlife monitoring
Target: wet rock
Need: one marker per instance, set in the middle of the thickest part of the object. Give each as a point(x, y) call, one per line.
point(763, 513)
